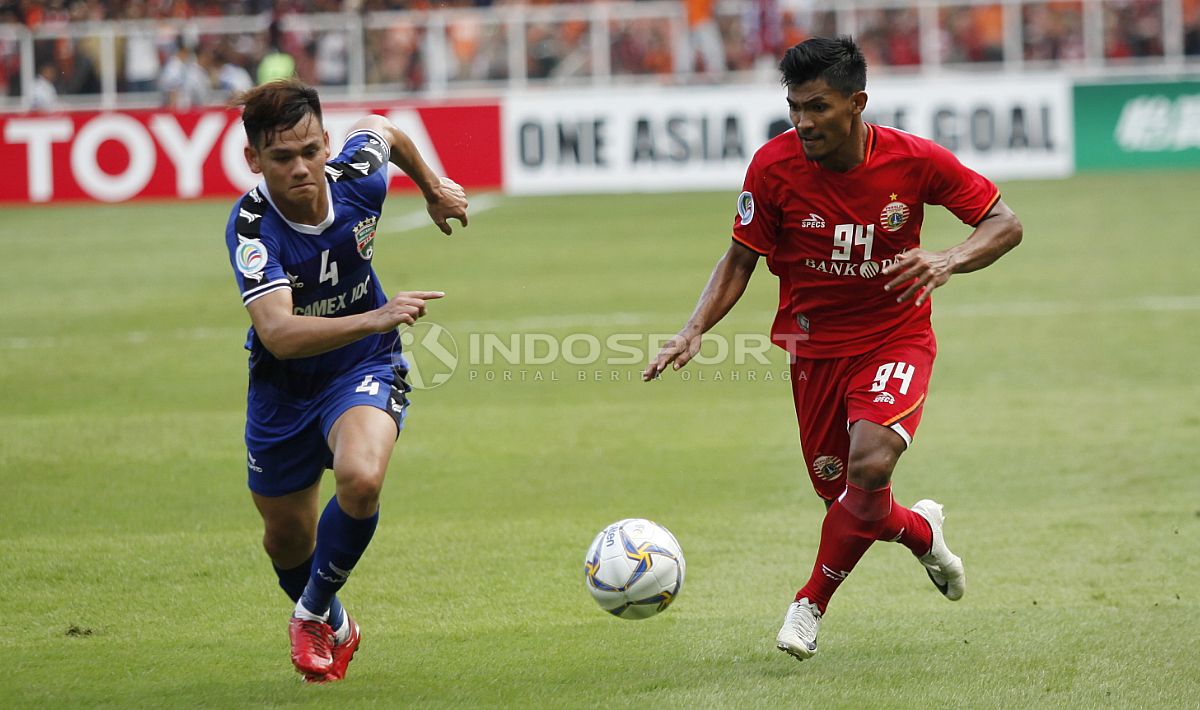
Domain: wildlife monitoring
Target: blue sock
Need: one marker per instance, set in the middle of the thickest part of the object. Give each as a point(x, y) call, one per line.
point(292, 582)
point(341, 540)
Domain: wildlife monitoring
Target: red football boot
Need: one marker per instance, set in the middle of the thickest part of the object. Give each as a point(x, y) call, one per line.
point(344, 652)
point(312, 646)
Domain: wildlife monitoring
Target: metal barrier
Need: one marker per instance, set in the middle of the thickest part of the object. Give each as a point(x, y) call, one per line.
point(444, 53)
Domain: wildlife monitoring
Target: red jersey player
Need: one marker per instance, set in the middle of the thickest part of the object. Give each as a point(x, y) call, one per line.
point(836, 208)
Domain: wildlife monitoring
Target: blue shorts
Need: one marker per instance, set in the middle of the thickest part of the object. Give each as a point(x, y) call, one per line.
point(287, 446)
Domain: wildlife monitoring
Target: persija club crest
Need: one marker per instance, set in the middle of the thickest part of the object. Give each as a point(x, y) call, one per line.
point(894, 214)
point(828, 468)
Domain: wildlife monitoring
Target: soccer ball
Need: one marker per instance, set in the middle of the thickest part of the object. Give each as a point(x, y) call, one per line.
point(634, 568)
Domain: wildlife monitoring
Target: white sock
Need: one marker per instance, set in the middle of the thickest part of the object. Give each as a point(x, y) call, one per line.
point(342, 633)
point(302, 613)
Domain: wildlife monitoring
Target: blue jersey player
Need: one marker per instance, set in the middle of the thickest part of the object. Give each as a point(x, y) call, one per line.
point(327, 385)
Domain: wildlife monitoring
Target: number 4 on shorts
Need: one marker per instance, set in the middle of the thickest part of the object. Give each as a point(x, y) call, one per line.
point(371, 386)
point(900, 370)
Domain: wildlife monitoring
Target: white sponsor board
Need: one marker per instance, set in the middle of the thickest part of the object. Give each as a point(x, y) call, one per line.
point(625, 140)
point(1003, 127)
point(666, 139)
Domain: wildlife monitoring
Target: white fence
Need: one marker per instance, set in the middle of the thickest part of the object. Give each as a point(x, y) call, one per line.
point(472, 50)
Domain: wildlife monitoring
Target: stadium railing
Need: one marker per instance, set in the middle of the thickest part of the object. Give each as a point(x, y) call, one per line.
point(443, 53)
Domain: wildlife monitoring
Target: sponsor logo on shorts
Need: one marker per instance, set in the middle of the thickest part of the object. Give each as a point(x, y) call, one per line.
point(894, 214)
point(745, 207)
point(828, 468)
point(885, 397)
point(252, 464)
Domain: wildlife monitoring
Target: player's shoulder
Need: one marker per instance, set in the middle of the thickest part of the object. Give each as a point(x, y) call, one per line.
point(898, 142)
point(782, 148)
point(246, 217)
point(363, 154)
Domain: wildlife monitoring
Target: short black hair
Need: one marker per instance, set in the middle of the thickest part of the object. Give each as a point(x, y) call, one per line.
point(837, 60)
point(276, 106)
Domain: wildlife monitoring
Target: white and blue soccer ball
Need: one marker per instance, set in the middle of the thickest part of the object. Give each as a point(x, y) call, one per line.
point(634, 568)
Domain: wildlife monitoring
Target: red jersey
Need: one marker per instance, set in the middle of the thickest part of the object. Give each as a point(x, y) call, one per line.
point(828, 235)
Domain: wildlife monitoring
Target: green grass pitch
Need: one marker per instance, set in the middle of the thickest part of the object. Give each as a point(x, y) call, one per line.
point(1061, 433)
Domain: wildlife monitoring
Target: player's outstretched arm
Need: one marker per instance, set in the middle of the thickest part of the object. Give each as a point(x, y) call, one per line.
point(290, 336)
point(444, 198)
point(920, 271)
point(724, 288)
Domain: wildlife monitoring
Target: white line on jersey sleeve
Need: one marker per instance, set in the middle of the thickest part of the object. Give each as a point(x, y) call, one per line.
point(259, 291)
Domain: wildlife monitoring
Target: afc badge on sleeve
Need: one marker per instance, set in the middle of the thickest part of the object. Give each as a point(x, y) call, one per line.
point(745, 207)
point(251, 258)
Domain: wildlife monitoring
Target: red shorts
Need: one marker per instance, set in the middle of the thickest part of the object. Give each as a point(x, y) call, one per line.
point(886, 386)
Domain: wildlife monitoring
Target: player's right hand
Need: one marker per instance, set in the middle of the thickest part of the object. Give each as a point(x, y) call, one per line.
point(403, 309)
point(449, 202)
point(677, 352)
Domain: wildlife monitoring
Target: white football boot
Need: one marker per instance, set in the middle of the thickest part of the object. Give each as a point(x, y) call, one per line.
point(944, 568)
point(799, 633)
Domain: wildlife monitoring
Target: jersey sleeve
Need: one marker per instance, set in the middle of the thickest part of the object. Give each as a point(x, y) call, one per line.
point(254, 253)
point(757, 222)
point(362, 166)
point(966, 193)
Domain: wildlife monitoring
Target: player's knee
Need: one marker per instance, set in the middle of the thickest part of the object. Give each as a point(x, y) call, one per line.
point(358, 490)
point(871, 470)
point(287, 545)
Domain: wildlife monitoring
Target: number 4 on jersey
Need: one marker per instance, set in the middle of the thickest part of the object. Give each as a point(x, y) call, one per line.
point(328, 269)
point(848, 236)
point(900, 370)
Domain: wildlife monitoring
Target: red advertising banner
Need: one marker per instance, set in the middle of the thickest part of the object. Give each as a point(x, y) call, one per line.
point(117, 156)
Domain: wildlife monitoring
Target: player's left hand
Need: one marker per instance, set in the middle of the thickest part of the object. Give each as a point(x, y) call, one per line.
point(921, 270)
point(449, 202)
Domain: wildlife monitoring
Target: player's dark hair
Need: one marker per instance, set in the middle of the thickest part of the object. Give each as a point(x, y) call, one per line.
point(836, 60)
point(276, 106)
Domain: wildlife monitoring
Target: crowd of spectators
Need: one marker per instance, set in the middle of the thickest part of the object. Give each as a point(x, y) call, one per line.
point(155, 59)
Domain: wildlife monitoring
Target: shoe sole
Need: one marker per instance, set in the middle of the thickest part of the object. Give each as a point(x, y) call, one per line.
point(798, 654)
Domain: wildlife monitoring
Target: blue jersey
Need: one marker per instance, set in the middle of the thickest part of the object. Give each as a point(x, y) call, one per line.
point(326, 266)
